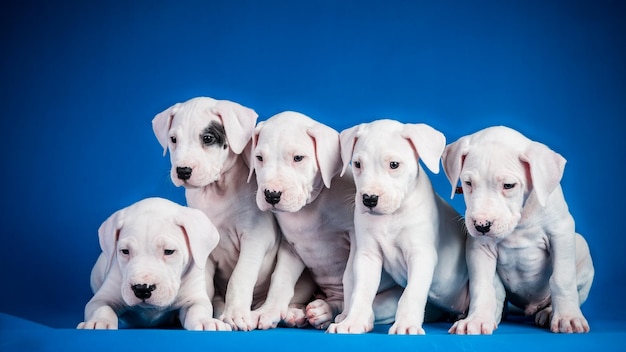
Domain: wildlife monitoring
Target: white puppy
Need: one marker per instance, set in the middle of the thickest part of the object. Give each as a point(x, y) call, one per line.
point(297, 162)
point(206, 138)
point(522, 234)
point(152, 265)
point(402, 225)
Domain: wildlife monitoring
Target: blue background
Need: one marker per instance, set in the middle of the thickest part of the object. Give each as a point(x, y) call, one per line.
point(81, 80)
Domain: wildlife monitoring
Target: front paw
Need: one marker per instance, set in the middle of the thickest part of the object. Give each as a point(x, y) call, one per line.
point(569, 323)
point(267, 317)
point(207, 324)
point(406, 328)
point(319, 314)
point(473, 326)
point(352, 325)
point(239, 319)
point(98, 324)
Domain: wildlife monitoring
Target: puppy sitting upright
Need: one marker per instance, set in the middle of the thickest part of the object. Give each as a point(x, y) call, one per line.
point(402, 225)
point(152, 265)
point(206, 138)
point(522, 239)
point(297, 161)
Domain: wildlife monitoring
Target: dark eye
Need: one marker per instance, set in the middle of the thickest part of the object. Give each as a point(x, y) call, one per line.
point(394, 164)
point(509, 185)
point(259, 158)
point(124, 251)
point(208, 139)
point(357, 164)
point(468, 183)
point(169, 251)
point(173, 139)
point(298, 158)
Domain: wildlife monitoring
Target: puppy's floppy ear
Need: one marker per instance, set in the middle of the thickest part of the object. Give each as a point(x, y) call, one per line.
point(427, 141)
point(347, 140)
point(327, 151)
point(546, 169)
point(161, 124)
point(452, 160)
point(109, 233)
point(201, 234)
point(238, 122)
point(253, 143)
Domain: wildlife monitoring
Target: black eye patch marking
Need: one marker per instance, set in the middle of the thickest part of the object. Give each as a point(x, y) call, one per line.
point(214, 134)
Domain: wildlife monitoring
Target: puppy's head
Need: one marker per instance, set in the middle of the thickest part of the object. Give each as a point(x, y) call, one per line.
point(202, 134)
point(500, 171)
point(384, 157)
point(294, 157)
point(154, 242)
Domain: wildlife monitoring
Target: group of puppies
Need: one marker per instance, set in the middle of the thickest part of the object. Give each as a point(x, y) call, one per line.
point(290, 222)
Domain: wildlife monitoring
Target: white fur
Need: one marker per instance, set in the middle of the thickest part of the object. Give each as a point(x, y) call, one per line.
point(298, 160)
point(242, 263)
point(522, 240)
point(159, 244)
point(411, 232)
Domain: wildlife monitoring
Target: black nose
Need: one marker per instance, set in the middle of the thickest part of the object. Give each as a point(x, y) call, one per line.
point(483, 228)
point(184, 173)
point(272, 197)
point(143, 291)
point(370, 201)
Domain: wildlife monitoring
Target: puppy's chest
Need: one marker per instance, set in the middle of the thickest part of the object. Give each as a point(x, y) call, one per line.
point(524, 261)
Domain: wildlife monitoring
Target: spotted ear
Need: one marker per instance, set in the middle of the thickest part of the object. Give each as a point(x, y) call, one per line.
point(452, 160)
point(347, 140)
point(327, 151)
point(202, 235)
point(428, 143)
point(238, 121)
point(109, 233)
point(161, 124)
point(546, 169)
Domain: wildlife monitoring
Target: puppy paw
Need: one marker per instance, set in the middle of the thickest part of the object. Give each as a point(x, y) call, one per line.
point(239, 320)
point(406, 328)
point(267, 317)
point(207, 324)
point(569, 323)
point(473, 326)
point(98, 325)
point(319, 314)
point(295, 317)
point(352, 325)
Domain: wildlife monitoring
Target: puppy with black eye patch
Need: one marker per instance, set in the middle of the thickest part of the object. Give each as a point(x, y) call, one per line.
point(152, 268)
point(206, 139)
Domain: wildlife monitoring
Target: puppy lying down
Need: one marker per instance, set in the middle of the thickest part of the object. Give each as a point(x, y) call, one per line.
point(151, 267)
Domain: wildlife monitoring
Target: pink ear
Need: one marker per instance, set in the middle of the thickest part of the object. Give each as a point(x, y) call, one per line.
point(108, 234)
point(428, 142)
point(452, 160)
point(327, 151)
point(253, 144)
point(347, 140)
point(161, 125)
point(546, 169)
point(201, 234)
point(238, 122)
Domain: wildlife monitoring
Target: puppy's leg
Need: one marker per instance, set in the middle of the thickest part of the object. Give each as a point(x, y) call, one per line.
point(566, 315)
point(289, 268)
point(348, 279)
point(321, 312)
point(101, 312)
point(237, 311)
point(410, 316)
point(487, 293)
point(367, 271)
point(197, 311)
